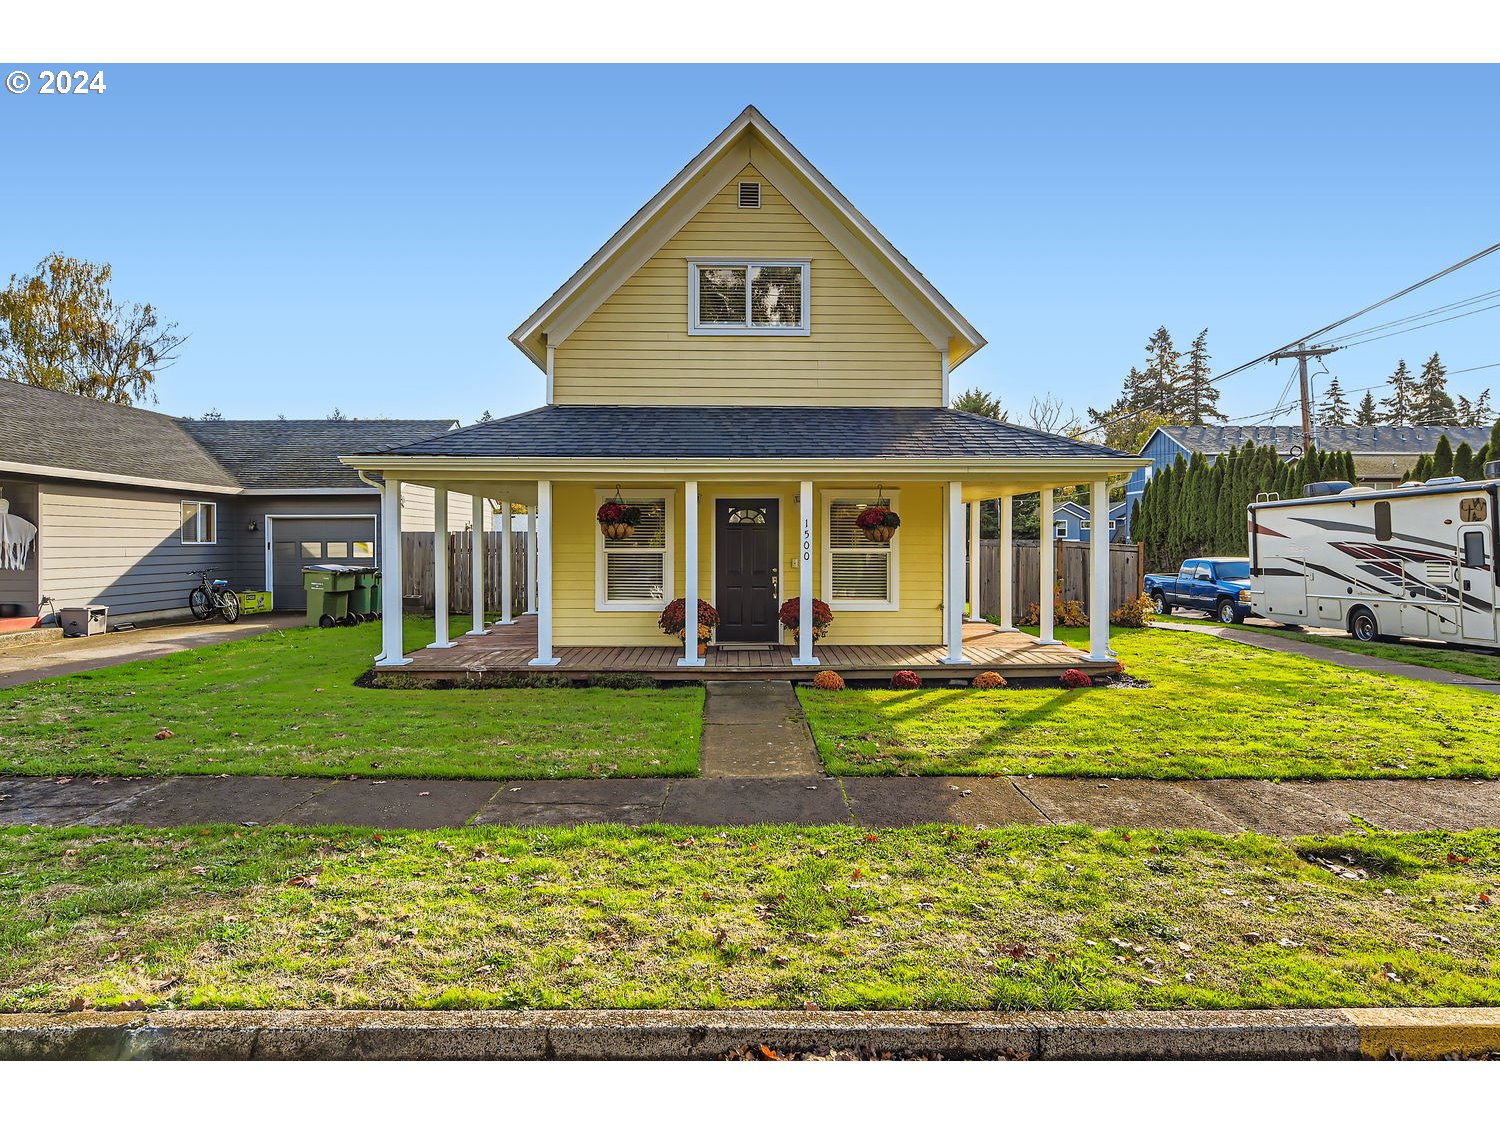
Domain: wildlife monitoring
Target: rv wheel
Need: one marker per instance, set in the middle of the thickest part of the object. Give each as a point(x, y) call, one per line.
point(1362, 625)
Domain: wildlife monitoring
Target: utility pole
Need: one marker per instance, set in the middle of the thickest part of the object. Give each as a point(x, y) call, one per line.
point(1302, 353)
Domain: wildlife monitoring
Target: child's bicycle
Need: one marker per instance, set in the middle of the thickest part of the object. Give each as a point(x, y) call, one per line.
point(213, 597)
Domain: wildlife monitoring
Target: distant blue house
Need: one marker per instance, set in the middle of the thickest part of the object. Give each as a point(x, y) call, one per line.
point(1071, 522)
point(1381, 453)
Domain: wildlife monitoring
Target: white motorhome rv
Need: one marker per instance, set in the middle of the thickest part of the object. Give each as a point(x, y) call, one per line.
point(1415, 561)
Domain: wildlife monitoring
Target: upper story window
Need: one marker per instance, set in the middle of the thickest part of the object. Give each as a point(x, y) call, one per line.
point(748, 298)
point(199, 522)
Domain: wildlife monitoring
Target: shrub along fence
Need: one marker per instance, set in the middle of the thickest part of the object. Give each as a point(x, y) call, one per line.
point(417, 571)
point(1126, 574)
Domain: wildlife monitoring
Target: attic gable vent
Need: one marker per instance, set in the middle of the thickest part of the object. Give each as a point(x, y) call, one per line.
point(749, 193)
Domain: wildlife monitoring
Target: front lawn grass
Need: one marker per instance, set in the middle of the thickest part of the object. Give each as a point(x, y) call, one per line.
point(1214, 708)
point(1428, 654)
point(606, 917)
point(285, 703)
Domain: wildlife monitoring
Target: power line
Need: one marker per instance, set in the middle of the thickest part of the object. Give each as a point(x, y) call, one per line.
point(1472, 258)
point(1415, 316)
point(1414, 327)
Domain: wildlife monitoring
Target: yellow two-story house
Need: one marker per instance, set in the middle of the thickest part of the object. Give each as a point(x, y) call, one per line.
point(749, 367)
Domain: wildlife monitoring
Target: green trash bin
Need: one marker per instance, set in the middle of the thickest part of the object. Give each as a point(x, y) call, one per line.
point(375, 590)
point(328, 588)
point(359, 597)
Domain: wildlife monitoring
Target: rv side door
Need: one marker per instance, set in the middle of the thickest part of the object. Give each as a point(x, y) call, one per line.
point(1476, 583)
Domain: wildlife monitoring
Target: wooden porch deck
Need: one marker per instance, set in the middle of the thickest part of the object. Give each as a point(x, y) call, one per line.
point(508, 648)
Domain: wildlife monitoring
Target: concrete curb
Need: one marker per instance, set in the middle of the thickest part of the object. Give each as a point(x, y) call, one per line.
point(1334, 1033)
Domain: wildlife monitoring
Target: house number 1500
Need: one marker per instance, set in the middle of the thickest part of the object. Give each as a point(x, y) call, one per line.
point(806, 539)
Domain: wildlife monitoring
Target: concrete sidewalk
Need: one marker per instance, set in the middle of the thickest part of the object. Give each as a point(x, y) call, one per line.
point(1277, 640)
point(1286, 808)
point(26, 663)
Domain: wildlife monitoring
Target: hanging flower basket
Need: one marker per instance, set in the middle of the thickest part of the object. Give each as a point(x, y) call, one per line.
point(617, 520)
point(878, 524)
point(791, 617)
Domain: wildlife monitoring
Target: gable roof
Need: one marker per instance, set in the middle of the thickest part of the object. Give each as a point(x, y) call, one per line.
point(757, 432)
point(1081, 511)
point(749, 137)
point(296, 455)
point(89, 438)
point(52, 433)
point(1355, 439)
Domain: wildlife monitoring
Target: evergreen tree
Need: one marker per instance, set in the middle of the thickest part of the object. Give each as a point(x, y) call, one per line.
point(981, 402)
point(1198, 395)
point(1463, 461)
point(1398, 407)
point(1442, 458)
point(1334, 410)
point(1432, 405)
point(1161, 382)
point(1368, 414)
point(1475, 413)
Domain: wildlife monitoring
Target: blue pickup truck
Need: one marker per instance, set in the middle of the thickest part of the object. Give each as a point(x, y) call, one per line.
point(1218, 586)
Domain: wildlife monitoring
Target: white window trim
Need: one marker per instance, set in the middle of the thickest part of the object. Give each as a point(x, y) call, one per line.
point(198, 523)
point(669, 556)
point(1112, 525)
point(825, 511)
point(1059, 529)
point(695, 329)
point(1083, 525)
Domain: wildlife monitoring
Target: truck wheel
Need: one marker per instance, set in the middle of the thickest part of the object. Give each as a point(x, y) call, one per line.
point(1362, 625)
point(1227, 613)
point(1160, 604)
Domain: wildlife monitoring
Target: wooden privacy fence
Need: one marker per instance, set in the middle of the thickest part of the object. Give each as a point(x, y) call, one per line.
point(1126, 574)
point(417, 571)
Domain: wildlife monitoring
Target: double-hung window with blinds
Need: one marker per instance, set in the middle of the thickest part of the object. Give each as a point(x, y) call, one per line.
point(634, 572)
point(860, 572)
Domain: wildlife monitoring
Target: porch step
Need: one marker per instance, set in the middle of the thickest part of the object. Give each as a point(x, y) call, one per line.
point(756, 729)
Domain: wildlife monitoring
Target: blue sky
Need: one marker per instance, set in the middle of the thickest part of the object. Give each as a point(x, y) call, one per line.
point(366, 237)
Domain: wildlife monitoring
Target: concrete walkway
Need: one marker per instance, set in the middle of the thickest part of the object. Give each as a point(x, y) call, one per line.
point(756, 729)
point(1285, 808)
point(1276, 640)
point(26, 663)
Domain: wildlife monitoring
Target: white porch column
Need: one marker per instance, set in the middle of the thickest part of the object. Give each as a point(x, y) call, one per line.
point(1007, 564)
point(690, 657)
point(391, 589)
point(531, 558)
point(476, 566)
point(1048, 569)
point(974, 614)
point(1099, 571)
point(805, 657)
point(953, 561)
point(440, 566)
point(543, 510)
point(506, 577)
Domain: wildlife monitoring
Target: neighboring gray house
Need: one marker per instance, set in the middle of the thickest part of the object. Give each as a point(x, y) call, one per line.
point(127, 501)
point(1381, 453)
point(1071, 522)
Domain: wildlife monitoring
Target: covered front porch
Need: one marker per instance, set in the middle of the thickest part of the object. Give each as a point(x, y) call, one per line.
point(510, 649)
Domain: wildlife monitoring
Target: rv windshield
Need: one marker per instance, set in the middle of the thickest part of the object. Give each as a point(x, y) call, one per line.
point(1233, 569)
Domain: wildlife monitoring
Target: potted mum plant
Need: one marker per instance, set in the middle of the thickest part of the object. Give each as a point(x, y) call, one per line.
point(617, 520)
point(878, 524)
point(673, 621)
point(791, 617)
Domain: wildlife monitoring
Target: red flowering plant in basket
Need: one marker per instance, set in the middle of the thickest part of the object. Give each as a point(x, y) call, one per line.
point(617, 520)
point(791, 616)
point(673, 619)
point(877, 523)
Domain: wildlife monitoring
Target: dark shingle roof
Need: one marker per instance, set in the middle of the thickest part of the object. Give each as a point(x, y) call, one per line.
point(1354, 439)
point(54, 430)
point(66, 431)
point(303, 454)
point(633, 432)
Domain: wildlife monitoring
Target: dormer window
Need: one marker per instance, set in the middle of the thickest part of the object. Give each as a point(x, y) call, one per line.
point(742, 297)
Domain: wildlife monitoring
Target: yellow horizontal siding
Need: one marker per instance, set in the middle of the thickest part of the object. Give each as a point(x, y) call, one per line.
point(635, 348)
point(576, 621)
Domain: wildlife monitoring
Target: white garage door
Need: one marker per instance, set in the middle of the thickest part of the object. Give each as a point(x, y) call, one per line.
point(295, 543)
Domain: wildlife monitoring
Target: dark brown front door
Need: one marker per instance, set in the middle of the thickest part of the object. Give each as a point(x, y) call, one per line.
point(747, 533)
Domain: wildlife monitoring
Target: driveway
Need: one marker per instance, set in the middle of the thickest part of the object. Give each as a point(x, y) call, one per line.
point(25, 663)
